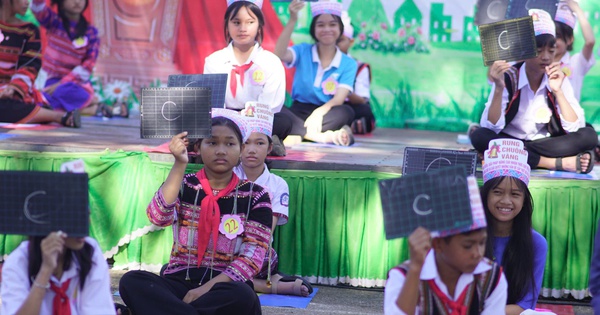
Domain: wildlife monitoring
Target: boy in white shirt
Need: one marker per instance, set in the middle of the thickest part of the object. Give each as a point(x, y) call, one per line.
point(531, 101)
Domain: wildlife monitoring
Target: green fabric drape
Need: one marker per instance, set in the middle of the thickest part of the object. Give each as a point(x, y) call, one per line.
point(335, 231)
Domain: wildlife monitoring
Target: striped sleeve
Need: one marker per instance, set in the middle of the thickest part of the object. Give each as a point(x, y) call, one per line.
point(159, 212)
point(29, 62)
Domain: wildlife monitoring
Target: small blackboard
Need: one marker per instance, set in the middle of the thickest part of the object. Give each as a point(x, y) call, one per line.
point(166, 112)
point(490, 11)
point(520, 8)
point(217, 82)
point(37, 203)
point(417, 160)
point(438, 201)
point(510, 40)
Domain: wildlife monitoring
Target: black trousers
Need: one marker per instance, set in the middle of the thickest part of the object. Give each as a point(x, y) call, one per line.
point(364, 111)
point(573, 143)
point(282, 124)
point(147, 293)
point(337, 117)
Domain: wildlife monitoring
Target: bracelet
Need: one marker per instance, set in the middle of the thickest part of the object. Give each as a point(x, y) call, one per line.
point(37, 285)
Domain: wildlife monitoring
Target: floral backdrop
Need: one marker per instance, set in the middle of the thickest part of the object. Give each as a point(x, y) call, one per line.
point(426, 61)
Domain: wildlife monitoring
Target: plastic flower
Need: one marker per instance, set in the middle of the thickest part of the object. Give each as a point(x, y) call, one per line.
point(401, 32)
point(411, 40)
point(117, 90)
point(362, 36)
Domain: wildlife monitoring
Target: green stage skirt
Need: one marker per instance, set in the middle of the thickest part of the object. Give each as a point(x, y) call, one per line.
point(335, 231)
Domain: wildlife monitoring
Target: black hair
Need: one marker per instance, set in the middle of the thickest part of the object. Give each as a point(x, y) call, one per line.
point(226, 122)
point(545, 40)
point(232, 11)
point(268, 161)
point(447, 239)
point(82, 24)
point(313, 25)
point(82, 256)
point(517, 259)
point(564, 32)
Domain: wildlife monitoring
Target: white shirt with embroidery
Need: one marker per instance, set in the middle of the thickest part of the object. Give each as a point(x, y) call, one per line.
point(94, 299)
point(530, 121)
point(495, 304)
point(578, 67)
point(264, 81)
point(277, 188)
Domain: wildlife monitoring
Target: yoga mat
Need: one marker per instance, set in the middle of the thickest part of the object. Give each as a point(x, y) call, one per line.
point(28, 126)
point(278, 300)
point(6, 136)
point(557, 308)
point(163, 148)
point(568, 175)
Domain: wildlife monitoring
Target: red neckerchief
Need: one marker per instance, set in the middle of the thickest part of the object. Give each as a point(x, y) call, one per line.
point(61, 304)
point(454, 307)
point(210, 213)
point(241, 70)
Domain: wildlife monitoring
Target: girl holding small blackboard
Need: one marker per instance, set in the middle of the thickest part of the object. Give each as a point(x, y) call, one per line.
point(221, 229)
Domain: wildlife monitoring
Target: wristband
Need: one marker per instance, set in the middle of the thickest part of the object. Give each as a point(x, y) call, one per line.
point(37, 285)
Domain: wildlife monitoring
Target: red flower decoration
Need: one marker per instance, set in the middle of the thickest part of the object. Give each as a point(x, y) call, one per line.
point(407, 25)
point(376, 35)
point(401, 32)
point(362, 36)
point(411, 40)
point(384, 26)
point(419, 31)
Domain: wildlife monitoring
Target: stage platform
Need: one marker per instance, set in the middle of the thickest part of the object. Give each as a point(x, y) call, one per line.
point(335, 232)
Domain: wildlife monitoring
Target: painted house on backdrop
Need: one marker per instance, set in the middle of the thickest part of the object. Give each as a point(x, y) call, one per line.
point(370, 12)
point(471, 33)
point(408, 12)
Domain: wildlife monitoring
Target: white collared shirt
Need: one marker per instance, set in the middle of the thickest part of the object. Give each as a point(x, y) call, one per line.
point(579, 67)
point(525, 125)
point(362, 84)
point(277, 188)
point(495, 304)
point(268, 89)
point(94, 299)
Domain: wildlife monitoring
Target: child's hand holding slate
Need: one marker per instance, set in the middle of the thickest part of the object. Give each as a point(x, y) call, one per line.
point(178, 147)
point(419, 245)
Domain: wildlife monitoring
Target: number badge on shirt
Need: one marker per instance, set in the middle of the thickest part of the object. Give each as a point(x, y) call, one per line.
point(231, 226)
point(258, 77)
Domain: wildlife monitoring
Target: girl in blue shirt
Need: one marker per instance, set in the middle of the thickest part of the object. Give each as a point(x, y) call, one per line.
point(508, 206)
point(324, 76)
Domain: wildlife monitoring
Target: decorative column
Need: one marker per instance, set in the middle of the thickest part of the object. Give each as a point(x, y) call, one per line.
point(138, 39)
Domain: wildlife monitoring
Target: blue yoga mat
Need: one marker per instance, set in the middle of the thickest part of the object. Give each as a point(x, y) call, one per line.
point(286, 300)
point(4, 136)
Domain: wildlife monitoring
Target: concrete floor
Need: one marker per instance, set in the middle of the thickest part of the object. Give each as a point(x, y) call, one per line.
point(338, 300)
